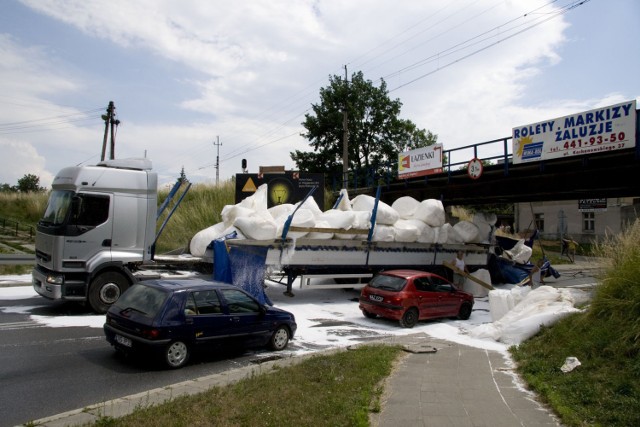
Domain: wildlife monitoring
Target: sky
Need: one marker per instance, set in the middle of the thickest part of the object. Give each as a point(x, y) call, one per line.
point(197, 83)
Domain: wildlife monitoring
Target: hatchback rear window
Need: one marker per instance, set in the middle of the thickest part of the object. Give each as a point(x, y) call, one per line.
point(388, 283)
point(145, 300)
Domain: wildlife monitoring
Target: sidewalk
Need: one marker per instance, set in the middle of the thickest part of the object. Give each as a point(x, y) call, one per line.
point(441, 383)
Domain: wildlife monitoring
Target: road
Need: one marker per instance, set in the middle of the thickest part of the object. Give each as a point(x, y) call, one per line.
point(47, 370)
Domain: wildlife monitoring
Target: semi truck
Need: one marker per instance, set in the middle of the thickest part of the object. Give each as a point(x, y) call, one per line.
point(97, 237)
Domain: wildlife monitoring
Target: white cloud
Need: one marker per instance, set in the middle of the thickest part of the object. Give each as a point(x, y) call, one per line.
point(19, 159)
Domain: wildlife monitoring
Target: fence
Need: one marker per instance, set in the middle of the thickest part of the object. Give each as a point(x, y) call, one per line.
point(14, 228)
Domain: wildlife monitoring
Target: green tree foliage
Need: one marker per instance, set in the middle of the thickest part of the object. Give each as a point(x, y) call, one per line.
point(29, 184)
point(6, 188)
point(376, 133)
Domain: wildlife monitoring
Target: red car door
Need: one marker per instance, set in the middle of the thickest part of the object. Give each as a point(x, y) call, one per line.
point(428, 299)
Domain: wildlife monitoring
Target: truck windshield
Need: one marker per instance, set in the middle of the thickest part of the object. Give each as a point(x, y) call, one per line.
point(57, 207)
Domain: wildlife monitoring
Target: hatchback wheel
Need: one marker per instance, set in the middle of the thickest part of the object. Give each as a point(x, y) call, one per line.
point(465, 312)
point(176, 354)
point(369, 315)
point(279, 339)
point(409, 318)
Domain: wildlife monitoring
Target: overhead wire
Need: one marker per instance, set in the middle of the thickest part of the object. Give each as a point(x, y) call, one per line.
point(47, 123)
point(457, 48)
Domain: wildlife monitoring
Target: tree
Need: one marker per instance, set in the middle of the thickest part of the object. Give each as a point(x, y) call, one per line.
point(376, 133)
point(29, 183)
point(6, 188)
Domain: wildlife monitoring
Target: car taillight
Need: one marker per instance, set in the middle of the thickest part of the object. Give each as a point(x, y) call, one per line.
point(395, 301)
point(151, 333)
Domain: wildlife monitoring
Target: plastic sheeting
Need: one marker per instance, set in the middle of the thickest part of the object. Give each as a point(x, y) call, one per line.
point(521, 312)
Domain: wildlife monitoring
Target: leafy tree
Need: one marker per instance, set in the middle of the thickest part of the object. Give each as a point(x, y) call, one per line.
point(29, 183)
point(376, 133)
point(6, 188)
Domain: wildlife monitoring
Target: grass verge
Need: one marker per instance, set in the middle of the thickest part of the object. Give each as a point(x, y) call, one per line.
point(605, 389)
point(341, 389)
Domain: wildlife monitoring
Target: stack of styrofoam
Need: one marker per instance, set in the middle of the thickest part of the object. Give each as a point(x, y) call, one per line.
point(539, 307)
point(406, 220)
point(475, 289)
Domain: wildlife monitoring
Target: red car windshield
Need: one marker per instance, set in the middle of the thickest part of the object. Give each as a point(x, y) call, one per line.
point(388, 283)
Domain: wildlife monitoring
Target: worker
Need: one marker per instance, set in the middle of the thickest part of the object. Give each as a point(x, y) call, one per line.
point(458, 278)
point(570, 246)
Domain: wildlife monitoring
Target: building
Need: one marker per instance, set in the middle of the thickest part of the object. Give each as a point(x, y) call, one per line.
point(583, 220)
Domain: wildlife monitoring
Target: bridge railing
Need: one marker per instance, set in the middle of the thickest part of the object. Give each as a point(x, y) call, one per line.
point(497, 150)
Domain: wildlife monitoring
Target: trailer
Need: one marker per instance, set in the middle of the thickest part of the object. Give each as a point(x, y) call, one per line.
point(350, 263)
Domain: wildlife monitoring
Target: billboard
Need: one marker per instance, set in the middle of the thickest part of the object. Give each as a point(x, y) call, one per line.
point(420, 162)
point(594, 131)
point(288, 187)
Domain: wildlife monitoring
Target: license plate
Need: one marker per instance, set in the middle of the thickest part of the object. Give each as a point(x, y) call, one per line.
point(123, 341)
point(376, 298)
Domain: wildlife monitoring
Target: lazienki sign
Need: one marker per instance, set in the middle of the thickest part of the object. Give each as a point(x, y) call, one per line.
point(595, 131)
point(420, 162)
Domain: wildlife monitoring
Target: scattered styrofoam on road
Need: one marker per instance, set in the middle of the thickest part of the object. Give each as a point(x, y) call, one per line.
point(332, 318)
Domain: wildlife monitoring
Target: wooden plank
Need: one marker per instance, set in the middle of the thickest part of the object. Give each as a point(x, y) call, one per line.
point(451, 265)
point(329, 230)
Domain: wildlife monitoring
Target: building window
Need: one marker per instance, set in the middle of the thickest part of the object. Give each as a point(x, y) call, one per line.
point(539, 220)
point(588, 221)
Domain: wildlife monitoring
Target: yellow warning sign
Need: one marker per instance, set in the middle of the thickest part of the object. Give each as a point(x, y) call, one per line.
point(249, 186)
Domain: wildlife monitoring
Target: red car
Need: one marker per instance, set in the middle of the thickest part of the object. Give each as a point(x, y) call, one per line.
point(411, 295)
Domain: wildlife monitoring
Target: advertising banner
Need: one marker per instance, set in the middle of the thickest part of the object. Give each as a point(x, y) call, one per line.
point(288, 187)
point(595, 131)
point(420, 162)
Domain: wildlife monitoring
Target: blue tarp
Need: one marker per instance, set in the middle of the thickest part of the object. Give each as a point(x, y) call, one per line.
point(248, 269)
point(221, 265)
point(243, 267)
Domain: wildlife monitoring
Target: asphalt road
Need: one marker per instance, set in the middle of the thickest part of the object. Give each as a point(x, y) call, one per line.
point(46, 370)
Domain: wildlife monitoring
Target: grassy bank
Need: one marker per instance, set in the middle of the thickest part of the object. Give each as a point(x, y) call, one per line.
point(200, 208)
point(334, 390)
point(605, 389)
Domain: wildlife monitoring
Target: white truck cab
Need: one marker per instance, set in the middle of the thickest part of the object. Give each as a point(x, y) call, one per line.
point(82, 252)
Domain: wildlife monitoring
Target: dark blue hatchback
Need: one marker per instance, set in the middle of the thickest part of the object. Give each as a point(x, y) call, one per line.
point(171, 318)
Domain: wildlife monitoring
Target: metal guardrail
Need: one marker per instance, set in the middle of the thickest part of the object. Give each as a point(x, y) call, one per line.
point(17, 259)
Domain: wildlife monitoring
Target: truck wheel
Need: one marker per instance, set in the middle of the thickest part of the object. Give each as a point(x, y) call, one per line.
point(105, 290)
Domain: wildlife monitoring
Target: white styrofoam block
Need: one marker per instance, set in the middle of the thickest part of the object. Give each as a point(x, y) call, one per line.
point(405, 206)
point(431, 212)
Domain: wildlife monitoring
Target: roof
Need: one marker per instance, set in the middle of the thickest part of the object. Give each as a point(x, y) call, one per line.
point(187, 284)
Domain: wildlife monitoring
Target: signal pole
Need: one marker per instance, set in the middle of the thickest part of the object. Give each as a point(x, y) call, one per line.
point(109, 120)
point(345, 134)
point(217, 145)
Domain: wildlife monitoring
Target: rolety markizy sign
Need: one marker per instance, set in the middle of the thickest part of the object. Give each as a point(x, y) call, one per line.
point(595, 131)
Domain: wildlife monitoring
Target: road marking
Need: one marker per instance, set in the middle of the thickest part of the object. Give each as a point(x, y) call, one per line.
point(28, 324)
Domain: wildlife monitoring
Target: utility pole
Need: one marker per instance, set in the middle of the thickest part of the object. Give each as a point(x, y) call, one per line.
point(109, 121)
point(217, 145)
point(345, 134)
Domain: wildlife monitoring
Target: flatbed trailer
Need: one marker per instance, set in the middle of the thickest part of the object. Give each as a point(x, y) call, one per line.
point(348, 262)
